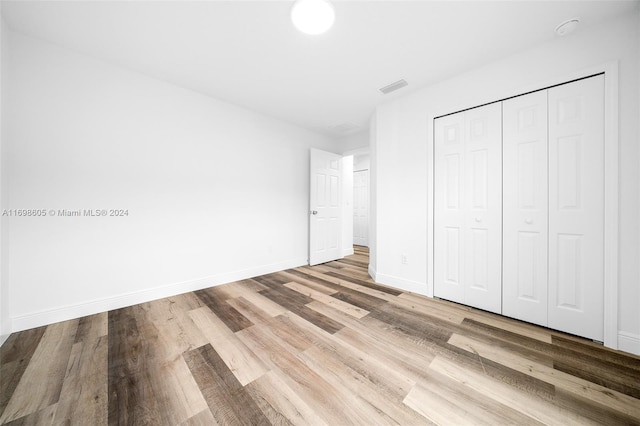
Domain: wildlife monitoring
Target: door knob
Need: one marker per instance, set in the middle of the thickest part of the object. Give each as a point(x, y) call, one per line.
point(313, 212)
point(528, 221)
point(478, 219)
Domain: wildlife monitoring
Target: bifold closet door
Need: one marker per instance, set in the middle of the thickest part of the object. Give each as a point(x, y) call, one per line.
point(576, 207)
point(448, 207)
point(525, 208)
point(468, 207)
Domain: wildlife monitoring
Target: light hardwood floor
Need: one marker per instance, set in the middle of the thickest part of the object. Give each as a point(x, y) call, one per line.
point(319, 345)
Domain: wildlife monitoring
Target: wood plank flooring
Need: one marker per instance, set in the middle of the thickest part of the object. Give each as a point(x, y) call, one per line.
point(320, 345)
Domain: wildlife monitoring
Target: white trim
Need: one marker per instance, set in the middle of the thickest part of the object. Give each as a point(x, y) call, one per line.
point(401, 283)
point(611, 205)
point(629, 342)
point(51, 316)
point(611, 185)
point(431, 207)
point(372, 273)
point(357, 151)
point(3, 339)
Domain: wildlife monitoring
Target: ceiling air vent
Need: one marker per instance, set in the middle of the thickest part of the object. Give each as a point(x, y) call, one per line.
point(393, 86)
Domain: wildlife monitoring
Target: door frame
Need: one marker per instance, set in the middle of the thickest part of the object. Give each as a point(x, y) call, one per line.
point(368, 204)
point(364, 151)
point(611, 185)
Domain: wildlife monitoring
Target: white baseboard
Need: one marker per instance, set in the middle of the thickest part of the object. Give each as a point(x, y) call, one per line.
point(401, 283)
point(3, 338)
point(629, 342)
point(65, 313)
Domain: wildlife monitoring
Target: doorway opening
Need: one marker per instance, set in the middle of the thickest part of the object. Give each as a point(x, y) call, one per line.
point(361, 164)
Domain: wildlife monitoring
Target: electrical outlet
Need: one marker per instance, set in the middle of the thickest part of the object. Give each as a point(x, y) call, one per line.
point(404, 259)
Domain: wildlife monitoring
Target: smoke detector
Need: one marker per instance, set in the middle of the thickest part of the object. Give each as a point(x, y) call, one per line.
point(567, 26)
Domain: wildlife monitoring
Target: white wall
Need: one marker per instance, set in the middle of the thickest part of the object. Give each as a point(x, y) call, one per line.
point(214, 192)
point(354, 143)
point(373, 196)
point(5, 324)
point(402, 159)
point(361, 162)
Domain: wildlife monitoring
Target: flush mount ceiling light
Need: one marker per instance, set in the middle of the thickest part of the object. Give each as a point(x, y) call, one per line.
point(567, 26)
point(312, 16)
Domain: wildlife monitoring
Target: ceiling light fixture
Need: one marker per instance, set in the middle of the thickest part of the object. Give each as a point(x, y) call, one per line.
point(567, 26)
point(312, 16)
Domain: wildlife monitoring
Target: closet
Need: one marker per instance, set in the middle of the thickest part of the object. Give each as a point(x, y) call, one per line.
point(519, 207)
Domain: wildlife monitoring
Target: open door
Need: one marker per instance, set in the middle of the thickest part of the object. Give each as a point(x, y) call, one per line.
point(325, 207)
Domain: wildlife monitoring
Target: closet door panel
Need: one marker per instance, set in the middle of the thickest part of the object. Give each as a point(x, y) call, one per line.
point(483, 201)
point(525, 208)
point(449, 208)
point(576, 214)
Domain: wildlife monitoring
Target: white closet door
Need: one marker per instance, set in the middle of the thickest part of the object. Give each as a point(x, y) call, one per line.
point(576, 216)
point(448, 208)
point(525, 208)
point(483, 207)
point(468, 207)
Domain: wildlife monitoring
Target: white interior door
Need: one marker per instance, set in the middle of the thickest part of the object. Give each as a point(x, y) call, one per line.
point(325, 207)
point(361, 208)
point(448, 208)
point(483, 193)
point(468, 207)
point(576, 207)
point(525, 208)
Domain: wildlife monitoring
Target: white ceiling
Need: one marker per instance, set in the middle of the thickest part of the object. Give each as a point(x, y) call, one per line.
point(248, 53)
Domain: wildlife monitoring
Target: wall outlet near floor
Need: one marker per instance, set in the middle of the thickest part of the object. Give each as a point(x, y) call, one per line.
point(404, 259)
